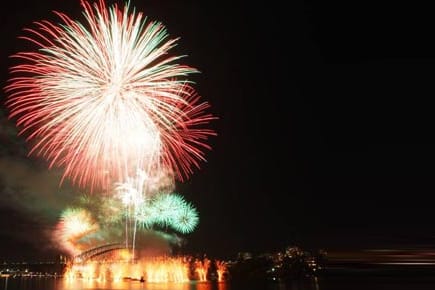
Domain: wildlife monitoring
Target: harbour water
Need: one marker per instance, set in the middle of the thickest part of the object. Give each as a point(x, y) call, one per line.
point(342, 281)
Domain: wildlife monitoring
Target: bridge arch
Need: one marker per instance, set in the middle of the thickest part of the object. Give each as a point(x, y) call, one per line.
point(97, 251)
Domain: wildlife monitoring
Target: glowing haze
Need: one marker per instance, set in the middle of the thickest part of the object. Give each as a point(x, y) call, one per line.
point(103, 98)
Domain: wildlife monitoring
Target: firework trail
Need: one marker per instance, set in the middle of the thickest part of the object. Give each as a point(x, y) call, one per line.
point(104, 98)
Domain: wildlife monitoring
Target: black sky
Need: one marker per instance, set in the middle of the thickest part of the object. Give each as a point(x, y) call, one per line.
point(325, 121)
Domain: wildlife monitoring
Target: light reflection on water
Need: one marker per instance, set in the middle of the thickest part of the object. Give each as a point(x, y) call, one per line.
point(63, 284)
point(337, 282)
point(135, 285)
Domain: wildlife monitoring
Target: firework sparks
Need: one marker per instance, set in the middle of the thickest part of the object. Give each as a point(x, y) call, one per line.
point(167, 210)
point(77, 222)
point(185, 219)
point(165, 207)
point(202, 268)
point(104, 98)
point(74, 224)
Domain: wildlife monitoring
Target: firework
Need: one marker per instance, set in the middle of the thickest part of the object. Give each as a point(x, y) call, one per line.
point(185, 219)
point(173, 211)
point(166, 210)
point(166, 207)
point(77, 222)
point(103, 98)
point(74, 225)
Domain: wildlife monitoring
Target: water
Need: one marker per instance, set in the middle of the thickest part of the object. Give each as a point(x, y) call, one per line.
point(341, 281)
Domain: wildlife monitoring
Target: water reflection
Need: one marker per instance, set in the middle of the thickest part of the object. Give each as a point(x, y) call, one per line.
point(41, 283)
point(78, 284)
point(364, 281)
point(136, 285)
point(64, 284)
point(209, 286)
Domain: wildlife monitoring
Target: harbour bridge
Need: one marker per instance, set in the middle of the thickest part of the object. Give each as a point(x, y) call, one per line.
point(98, 251)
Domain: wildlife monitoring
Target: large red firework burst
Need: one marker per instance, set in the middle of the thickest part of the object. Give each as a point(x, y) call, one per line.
point(104, 98)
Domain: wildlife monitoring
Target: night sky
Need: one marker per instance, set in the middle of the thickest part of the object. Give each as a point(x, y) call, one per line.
point(325, 129)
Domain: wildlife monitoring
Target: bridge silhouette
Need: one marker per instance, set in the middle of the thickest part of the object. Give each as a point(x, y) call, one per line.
point(97, 251)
